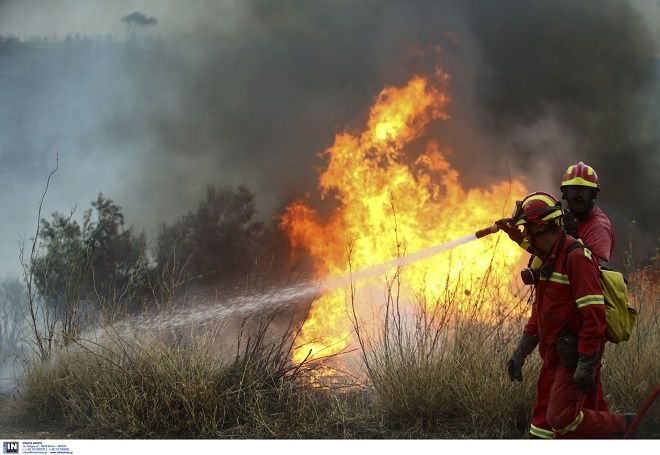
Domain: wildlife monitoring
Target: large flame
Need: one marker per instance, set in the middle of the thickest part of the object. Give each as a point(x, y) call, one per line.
point(388, 204)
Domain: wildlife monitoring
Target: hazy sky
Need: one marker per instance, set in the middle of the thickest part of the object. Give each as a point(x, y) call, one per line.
point(100, 17)
point(250, 91)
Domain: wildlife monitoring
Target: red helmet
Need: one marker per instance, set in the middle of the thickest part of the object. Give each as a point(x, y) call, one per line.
point(580, 175)
point(538, 208)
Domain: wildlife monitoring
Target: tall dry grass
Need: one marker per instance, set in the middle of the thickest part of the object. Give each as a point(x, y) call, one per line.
point(446, 370)
point(438, 367)
point(427, 371)
point(123, 387)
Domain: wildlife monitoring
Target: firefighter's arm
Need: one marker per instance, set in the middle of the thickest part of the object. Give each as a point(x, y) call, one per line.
point(531, 328)
point(526, 345)
point(584, 276)
point(601, 243)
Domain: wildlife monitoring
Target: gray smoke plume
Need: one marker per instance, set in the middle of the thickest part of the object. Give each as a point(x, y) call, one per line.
point(590, 68)
point(250, 92)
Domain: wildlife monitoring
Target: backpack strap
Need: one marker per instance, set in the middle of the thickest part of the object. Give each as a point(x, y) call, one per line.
point(570, 248)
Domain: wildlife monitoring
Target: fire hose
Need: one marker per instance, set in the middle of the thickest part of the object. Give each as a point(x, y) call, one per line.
point(647, 404)
point(649, 401)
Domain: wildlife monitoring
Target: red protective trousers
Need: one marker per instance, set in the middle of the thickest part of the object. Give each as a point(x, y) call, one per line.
point(566, 413)
point(540, 427)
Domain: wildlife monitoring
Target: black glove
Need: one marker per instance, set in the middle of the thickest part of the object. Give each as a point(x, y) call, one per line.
point(569, 225)
point(506, 225)
point(525, 347)
point(584, 372)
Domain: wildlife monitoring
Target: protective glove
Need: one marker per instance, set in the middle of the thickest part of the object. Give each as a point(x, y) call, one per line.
point(570, 226)
point(584, 372)
point(506, 225)
point(525, 347)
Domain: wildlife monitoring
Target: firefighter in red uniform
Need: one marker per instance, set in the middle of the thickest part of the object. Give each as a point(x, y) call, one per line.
point(583, 220)
point(579, 187)
point(567, 324)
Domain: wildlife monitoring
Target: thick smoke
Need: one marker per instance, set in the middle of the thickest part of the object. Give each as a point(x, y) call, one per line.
point(590, 69)
point(257, 103)
point(250, 92)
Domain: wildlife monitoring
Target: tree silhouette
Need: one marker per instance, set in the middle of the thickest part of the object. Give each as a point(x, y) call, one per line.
point(218, 240)
point(138, 21)
point(91, 263)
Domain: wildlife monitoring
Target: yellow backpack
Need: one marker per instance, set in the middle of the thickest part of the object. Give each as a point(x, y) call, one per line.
point(620, 315)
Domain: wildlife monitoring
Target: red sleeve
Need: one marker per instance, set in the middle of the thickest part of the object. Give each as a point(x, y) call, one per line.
point(531, 328)
point(584, 276)
point(598, 234)
point(601, 242)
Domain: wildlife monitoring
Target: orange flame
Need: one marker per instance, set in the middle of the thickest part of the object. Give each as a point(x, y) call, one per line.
point(386, 205)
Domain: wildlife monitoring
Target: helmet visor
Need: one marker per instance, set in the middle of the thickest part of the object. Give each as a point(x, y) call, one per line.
point(517, 212)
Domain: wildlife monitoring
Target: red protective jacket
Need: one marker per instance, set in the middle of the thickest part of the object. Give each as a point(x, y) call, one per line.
point(597, 233)
point(570, 299)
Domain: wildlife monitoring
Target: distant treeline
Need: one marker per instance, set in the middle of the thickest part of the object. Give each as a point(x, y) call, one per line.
point(219, 244)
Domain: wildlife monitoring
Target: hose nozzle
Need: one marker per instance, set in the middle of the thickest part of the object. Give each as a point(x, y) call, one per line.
point(487, 231)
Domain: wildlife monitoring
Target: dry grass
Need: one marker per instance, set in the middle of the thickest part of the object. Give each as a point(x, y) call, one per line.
point(440, 372)
point(148, 389)
point(429, 373)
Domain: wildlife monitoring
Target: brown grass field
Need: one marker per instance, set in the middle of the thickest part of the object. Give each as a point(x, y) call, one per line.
point(433, 373)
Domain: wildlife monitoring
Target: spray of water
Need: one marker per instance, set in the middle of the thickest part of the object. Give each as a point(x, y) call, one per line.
point(410, 258)
point(205, 309)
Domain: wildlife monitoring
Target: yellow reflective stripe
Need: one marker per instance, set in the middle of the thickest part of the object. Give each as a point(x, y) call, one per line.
point(556, 278)
point(595, 299)
point(540, 197)
point(573, 425)
point(551, 215)
point(549, 202)
point(578, 181)
point(540, 432)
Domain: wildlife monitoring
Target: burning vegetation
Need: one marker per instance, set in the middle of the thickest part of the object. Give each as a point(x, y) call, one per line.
point(433, 335)
point(390, 200)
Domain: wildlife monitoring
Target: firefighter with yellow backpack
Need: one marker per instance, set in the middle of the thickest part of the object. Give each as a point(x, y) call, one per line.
point(587, 223)
point(579, 187)
point(567, 324)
